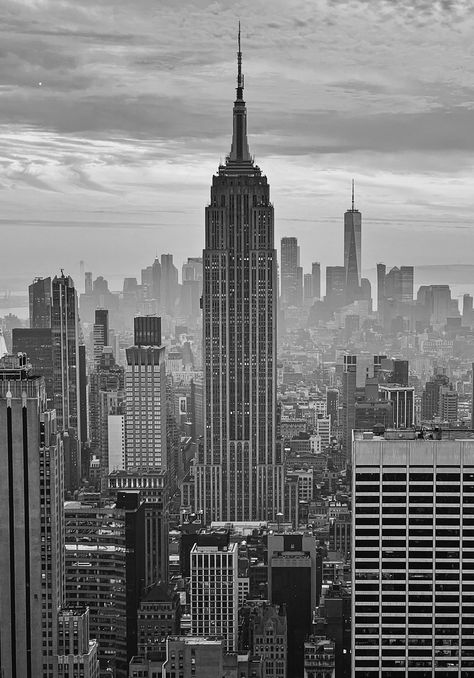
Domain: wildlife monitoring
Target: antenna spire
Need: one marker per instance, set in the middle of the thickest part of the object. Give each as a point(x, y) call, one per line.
point(352, 194)
point(240, 77)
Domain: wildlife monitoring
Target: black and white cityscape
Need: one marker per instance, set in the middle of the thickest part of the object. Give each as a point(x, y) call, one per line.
point(241, 447)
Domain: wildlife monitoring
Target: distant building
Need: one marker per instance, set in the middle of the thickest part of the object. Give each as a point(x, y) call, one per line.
point(316, 274)
point(352, 252)
point(40, 301)
point(159, 616)
point(289, 263)
point(145, 398)
point(335, 287)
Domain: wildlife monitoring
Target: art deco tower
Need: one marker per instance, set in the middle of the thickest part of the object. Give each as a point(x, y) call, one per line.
point(352, 251)
point(239, 470)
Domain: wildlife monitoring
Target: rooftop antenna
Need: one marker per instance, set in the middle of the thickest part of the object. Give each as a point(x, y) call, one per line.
point(240, 77)
point(352, 194)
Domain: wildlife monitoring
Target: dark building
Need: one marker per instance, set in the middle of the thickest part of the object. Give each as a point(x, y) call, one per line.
point(370, 413)
point(293, 582)
point(37, 344)
point(332, 405)
point(335, 287)
point(349, 380)
point(430, 396)
point(352, 252)
point(400, 372)
point(100, 332)
point(239, 344)
point(333, 621)
point(289, 263)
point(147, 330)
point(105, 571)
point(159, 616)
point(40, 297)
point(316, 273)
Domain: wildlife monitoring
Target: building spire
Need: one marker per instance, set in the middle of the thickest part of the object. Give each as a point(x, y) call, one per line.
point(240, 77)
point(352, 194)
point(239, 151)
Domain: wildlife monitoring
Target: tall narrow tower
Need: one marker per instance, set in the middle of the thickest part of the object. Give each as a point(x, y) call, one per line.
point(352, 247)
point(239, 470)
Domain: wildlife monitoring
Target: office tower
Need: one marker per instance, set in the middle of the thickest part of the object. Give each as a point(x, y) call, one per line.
point(335, 287)
point(65, 337)
point(406, 283)
point(332, 405)
point(37, 344)
point(293, 582)
point(105, 571)
point(159, 616)
point(106, 412)
point(83, 401)
point(448, 404)
point(381, 274)
point(349, 377)
point(191, 290)
point(88, 283)
point(77, 653)
point(169, 284)
point(239, 473)
point(100, 333)
point(214, 593)
point(31, 524)
point(39, 293)
point(308, 287)
point(316, 274)
point(145, 397)
point(299, 284)
point(430, 399)
point(403, 403)
point(195, 657)
point(352, 251)
point(289, 263)
point(467, 310)
point(400, 372)
point(154, 490)
point(413, 557)
point(323, 429)
point(472, 396)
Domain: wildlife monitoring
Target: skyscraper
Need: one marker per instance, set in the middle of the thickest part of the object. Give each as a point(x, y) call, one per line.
point(40, 303)
point(289, 271)
point(352, 251)
point(316, 273)
point(100, 333)
point(239, 472)
point(413, 556)
point(31, 525)
point(349, 382)
point(145, 397)
point(335, 287)
point(65, 338)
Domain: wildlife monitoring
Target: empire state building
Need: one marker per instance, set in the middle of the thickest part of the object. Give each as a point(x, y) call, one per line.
point(239, 473)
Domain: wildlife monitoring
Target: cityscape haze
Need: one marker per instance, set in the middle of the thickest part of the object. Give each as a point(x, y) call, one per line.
point(237, 425)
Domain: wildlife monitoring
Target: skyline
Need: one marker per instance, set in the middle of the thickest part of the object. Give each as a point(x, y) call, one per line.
point(123, 117)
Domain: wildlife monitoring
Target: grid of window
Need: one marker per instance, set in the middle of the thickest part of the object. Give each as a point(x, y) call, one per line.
point(413, 560)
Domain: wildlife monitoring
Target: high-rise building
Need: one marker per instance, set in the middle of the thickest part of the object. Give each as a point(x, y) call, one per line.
point(39, 293)
point(352, 251)
point(332, 406)
point(430, 398)
point(37, 344)
point(467, 310)
point(289, 271)
point(159, 616)
point(293, 582)
point(308, 287)
point(268, 638)
point(105, 571)
point(31, 525)
point(403, 403)
point(316, 273)
point(239, 472)
point(214, 593)
point(448, 404)
point(413, 556)
point(154, 491)
point(349, 383)
point(335, 287)
point(145, 398)
point(169, 284)
point(100, 333)
point(65, 338)
point(381, 275)
point(77, 653)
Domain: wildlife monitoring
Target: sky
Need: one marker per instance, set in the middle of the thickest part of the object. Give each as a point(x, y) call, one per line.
point(115, 114)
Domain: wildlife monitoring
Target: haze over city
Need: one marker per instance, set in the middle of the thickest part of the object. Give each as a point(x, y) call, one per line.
point(115, 114)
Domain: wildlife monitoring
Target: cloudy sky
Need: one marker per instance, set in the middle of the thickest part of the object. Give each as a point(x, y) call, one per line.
point(115, 113)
